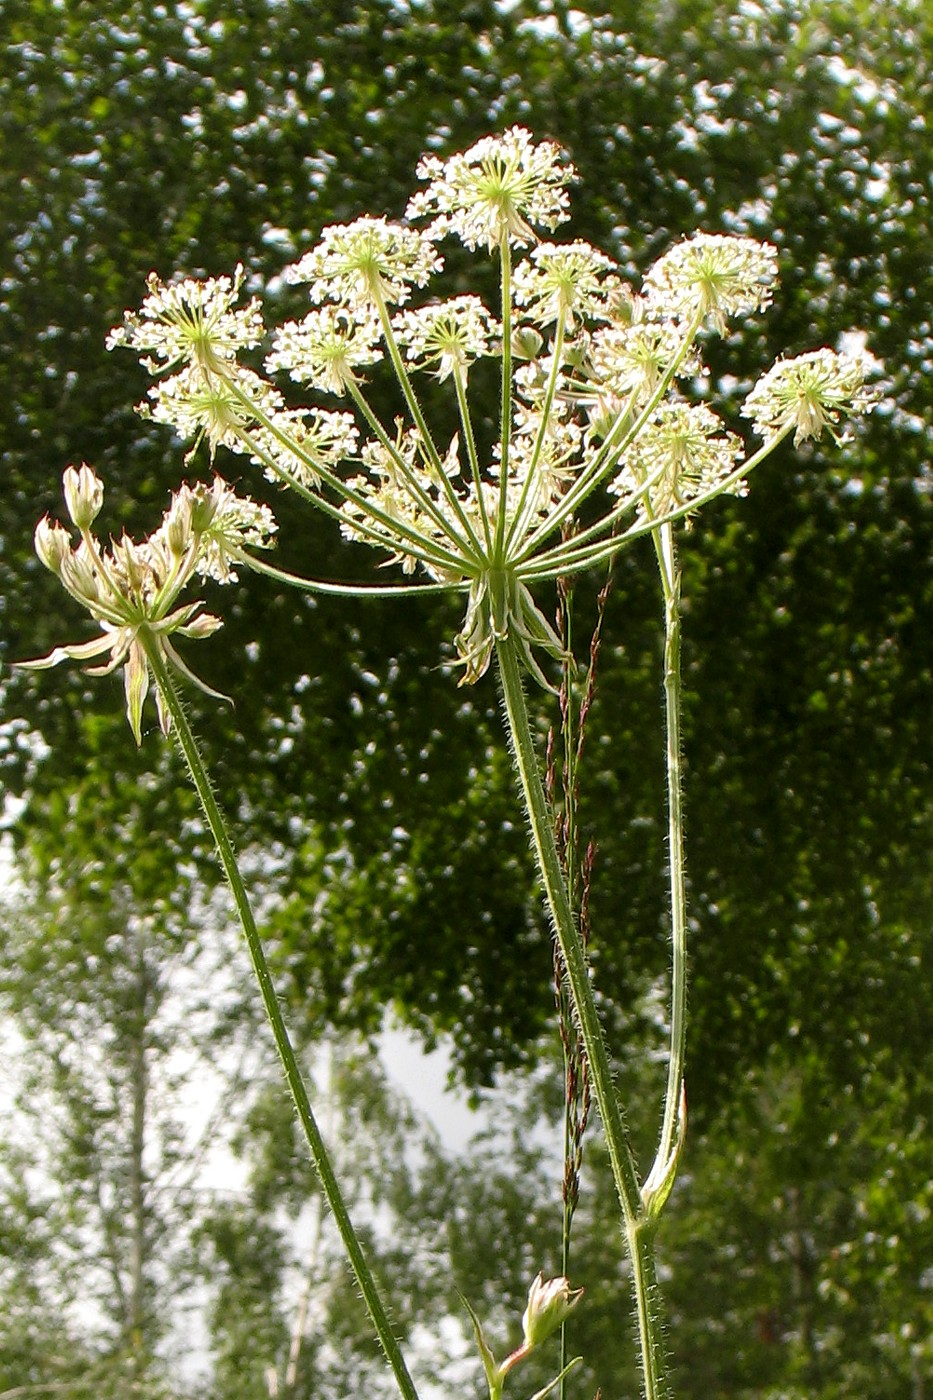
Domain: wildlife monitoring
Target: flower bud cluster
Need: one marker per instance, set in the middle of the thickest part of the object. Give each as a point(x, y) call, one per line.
point(132, 589)
point(550, 1303)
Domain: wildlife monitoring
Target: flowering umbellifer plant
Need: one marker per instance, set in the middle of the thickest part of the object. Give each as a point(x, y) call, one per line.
point(596, 407)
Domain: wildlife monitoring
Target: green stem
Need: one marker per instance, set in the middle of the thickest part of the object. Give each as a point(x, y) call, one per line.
point(660, 1178)
point(564, 558)
point(505, 414)
point(331, 1189)
point(638, 1227)
point(414, 408)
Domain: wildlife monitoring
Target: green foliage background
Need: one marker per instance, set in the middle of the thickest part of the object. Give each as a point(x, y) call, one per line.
point(192, 136)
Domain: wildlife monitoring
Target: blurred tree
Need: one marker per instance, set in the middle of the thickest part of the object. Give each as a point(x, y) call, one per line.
point(133, 1033)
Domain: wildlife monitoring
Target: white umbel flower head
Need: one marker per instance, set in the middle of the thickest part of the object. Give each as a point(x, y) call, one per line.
point(211, 407)
point(501, 187)
point(564, 283)
point(811, 392)
point(683, 453)
point(367, 262)
point(714, 276)
point(447, 336)
point(326, 349)
point(190, 322)
point(589, 397)
point(303, 442)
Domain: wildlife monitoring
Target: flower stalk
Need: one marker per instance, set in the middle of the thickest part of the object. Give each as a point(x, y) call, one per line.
point(292, 1071)
point(638, 1228)
point(660, 1179)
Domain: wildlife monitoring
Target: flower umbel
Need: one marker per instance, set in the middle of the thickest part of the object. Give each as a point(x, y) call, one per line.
point(368, 261)
point(499, 188)
point(325, 350)
point(190, 322)
point(713, 275)
point(566, 283)
point(446, 336)
point(597, 443)
point(810, 392)
point(132, 590)
point(684, 452)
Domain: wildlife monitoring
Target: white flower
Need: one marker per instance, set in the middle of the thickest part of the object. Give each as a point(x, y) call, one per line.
point(589, 406)
point(367, 262)
point(714, 275)
point(633, 359)
point(190, 322)
point(237, 523)
point(302, 440)
point(684, 452)
point(448, 335)
point(326, 348)
point(500, 187)
point(810, 392)
point(564, 282)
point(198, 405)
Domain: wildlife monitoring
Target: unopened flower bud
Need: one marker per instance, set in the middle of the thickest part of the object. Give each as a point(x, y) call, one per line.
point(80, 575)
point(549, 1303)
point(53, 545)
point(131, 562)
point(204, 503)
point(526, 343)
point(177, 525)
point(84, 495)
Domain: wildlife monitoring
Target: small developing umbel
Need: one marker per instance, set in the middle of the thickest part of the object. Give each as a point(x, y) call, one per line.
point(132, 589)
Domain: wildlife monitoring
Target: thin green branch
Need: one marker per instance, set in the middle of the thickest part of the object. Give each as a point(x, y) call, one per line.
point(415, 409)
point(522, 512)
point(564, 558)
point(341, 590)
point(505, 412)
point(613, 445)
point(397, 530)
point(321, 1158)
point(466, 423)
point(661, 1177)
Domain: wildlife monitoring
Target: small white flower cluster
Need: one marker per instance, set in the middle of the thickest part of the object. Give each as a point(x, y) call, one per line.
point(594, 387)
point(190, 321)
point(365, 263)
point(132, 589)
point(499, 189)
point(809, 393)
point(447, 336)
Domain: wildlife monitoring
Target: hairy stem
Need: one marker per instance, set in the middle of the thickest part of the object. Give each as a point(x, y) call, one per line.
point(638, 1228)
point(329, 1185)
point(672, 1125)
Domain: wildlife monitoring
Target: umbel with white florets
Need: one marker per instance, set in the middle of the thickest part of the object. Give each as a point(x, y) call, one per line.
point(595, 401)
